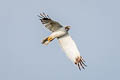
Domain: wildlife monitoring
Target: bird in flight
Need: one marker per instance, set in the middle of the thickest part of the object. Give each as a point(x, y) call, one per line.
point(64, 39)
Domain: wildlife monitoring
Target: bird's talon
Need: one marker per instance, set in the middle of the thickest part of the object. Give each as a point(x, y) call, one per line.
point(50, 38)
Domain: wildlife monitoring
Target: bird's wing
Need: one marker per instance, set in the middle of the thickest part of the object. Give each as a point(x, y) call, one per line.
point(71, 50)
point(49, 23)
point(69, 46)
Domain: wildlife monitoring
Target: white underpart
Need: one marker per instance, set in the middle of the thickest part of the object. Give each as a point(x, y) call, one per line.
point(67, 44)
point(56, 34)
point(69, 47)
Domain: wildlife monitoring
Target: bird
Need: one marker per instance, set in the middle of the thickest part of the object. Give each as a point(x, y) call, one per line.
point(66, 42)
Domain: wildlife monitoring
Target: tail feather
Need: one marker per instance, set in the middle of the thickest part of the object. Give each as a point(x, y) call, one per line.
point(45, 40)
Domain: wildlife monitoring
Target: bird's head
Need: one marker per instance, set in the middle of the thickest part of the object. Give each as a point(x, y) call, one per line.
point(67, 28)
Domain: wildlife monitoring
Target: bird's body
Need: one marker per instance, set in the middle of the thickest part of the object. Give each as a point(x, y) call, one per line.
point(64, 39)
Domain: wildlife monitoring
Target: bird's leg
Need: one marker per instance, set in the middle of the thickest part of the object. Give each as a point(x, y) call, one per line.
point(47, 40)
point(50, 38)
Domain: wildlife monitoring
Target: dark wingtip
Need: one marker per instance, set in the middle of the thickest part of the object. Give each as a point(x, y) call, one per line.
point(46, 19)
point(43, 16)
point(80, 63)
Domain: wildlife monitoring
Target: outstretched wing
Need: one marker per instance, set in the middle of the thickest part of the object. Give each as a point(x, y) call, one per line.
point(71, 50)
point(49, 23)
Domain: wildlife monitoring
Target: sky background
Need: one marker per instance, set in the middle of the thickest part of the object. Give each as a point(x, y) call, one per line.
point(95, 27)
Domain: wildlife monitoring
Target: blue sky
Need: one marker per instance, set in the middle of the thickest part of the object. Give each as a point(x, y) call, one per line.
point(95, 28)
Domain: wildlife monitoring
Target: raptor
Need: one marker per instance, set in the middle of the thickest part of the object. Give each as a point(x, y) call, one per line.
point(65, 40)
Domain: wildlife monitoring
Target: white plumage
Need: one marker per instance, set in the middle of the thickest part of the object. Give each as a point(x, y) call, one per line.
point(69, 47)
point(64, 39)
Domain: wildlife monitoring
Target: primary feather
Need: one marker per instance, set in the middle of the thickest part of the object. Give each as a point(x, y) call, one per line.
point(49, 23)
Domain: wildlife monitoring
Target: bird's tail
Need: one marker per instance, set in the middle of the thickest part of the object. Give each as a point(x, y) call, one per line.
point(47, 40)
point(80, 63)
